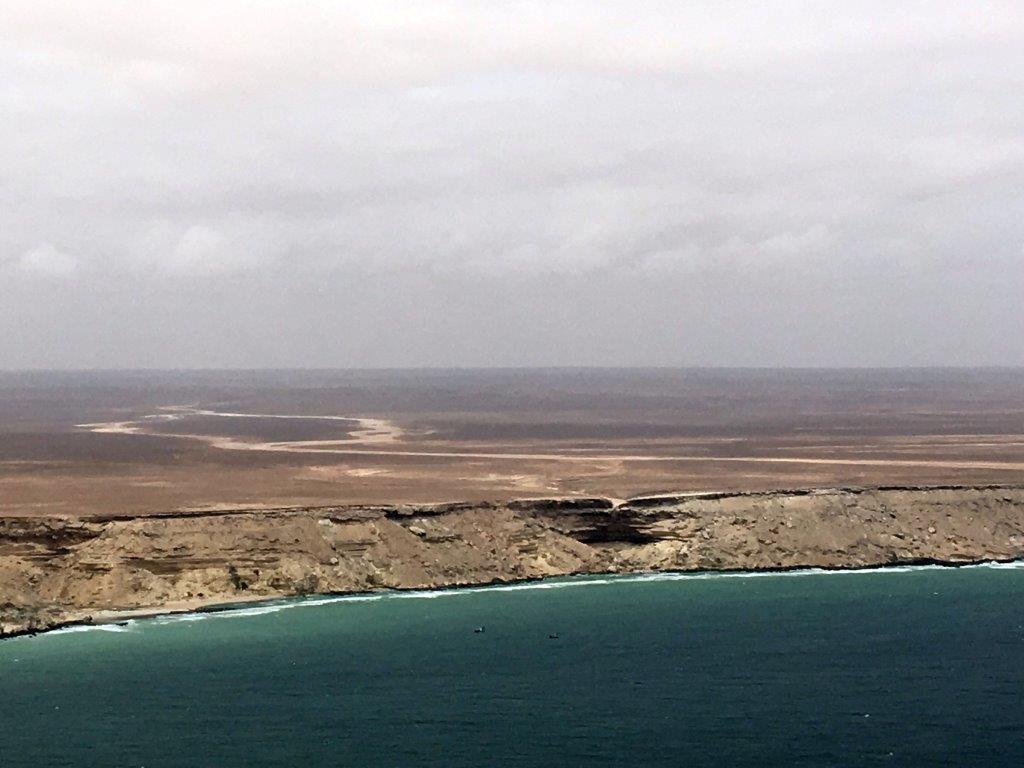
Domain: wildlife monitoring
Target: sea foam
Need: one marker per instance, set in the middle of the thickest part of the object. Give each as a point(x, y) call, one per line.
point(285, 604)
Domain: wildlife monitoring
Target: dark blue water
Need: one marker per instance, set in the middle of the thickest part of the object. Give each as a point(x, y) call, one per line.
point(912, 668)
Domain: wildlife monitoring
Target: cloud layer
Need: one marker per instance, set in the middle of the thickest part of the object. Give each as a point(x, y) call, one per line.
point(479, 178)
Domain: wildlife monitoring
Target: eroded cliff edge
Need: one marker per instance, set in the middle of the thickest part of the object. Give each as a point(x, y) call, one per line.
point(59, 570)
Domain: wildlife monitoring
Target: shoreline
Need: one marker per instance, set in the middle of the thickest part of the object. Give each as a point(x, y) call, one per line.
point(117, 618)
point(61, 572)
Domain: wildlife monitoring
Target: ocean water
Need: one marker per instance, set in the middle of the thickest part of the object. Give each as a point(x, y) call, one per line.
point(915, 667)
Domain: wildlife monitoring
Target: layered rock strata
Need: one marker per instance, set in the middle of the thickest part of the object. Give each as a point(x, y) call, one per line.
point(55, 571)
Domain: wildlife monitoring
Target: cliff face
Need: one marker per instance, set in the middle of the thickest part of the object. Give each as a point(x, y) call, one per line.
point(57, 570)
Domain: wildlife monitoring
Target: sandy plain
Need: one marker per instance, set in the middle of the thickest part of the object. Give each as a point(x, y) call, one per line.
point(138, 443)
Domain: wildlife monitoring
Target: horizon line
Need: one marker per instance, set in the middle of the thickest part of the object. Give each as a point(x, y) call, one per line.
point(590, 367)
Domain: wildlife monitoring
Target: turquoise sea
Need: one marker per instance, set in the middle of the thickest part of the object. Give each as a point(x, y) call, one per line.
point(913, 667)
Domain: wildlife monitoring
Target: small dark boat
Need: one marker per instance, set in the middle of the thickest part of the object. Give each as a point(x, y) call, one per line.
point(478, 631)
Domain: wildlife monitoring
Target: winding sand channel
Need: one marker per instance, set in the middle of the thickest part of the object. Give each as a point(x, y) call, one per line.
point(383, 432)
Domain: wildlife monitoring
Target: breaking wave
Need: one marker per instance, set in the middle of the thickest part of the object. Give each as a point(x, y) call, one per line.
point(577, 582)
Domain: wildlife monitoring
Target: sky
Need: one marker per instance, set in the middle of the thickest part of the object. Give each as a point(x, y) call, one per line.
point(466, 183)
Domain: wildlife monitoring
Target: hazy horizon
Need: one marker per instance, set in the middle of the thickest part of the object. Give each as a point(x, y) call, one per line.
point(476, 184)
point(498, 368)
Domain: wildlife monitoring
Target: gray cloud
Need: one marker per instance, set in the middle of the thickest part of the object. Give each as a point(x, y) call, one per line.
point(477, 183)
point(47, 261)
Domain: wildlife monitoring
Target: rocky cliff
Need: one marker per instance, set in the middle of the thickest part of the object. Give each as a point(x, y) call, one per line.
point(59, 570)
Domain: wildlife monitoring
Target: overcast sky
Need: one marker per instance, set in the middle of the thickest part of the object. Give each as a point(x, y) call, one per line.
point(473, 183)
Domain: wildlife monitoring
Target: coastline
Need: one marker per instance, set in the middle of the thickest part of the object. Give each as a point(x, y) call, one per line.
point(108, 618)
point(89, 571)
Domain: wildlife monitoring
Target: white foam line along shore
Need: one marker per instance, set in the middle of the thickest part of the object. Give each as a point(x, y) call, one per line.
point(284, 604)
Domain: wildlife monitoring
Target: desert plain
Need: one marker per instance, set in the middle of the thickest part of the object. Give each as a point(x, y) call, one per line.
point(142, 442)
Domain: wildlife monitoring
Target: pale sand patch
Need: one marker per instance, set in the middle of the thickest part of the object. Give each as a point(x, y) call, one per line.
point(113, 428)
point(330, 472)
point(366, 472)
point(520, 482)
point(369, 432)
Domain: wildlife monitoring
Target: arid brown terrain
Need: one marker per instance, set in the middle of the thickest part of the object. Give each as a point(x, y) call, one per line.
point(123, 491)
point(484, 435)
